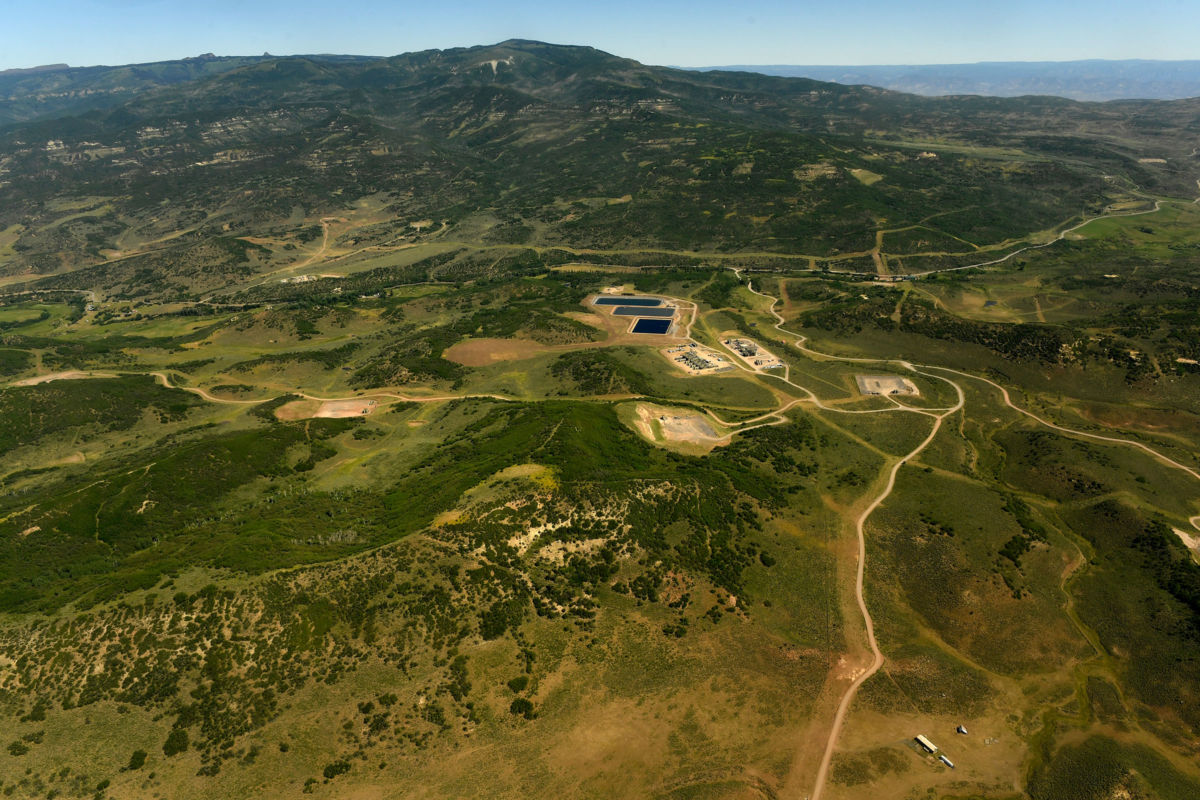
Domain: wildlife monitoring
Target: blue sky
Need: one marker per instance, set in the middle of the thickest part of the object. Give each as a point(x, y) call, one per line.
point(701, 32)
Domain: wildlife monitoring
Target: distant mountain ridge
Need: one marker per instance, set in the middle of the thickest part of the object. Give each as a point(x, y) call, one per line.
point(55, 90)
point(553, 146)
point(59, 90)
point(1095, 79)
point(30, 70)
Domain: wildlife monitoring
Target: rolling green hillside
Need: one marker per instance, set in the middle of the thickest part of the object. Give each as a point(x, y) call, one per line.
point(322, 473)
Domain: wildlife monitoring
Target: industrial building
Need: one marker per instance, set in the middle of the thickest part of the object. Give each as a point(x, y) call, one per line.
point(744, 348)
point(694, 361)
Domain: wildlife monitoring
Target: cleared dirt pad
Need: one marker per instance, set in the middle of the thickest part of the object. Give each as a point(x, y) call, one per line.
point(70, 375)
point(668, 426)
point(308, 409)
point(346, 408)
point(885, 385)
point(481, 352)
point(750, 352)
point(696, 360)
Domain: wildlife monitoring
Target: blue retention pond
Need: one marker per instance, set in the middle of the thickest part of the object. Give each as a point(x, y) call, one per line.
point(642, 311)
point(627, 301)
point(652, 326)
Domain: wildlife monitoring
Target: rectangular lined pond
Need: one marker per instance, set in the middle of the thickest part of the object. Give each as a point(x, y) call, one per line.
point(641, 311)
point(652, 326)
point(627, 301)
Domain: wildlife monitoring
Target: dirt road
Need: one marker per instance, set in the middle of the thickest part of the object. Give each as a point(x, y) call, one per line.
point(940, 415)
point(166, 382)
point(69, 375)
point(877, 656)
point(1114, 439)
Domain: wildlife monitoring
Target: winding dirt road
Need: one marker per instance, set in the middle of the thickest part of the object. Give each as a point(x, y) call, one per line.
point(166, 382)
point(1062, 235)
point(162, 378)
point(868, 622)
point(1114, 439)
point(877, 656)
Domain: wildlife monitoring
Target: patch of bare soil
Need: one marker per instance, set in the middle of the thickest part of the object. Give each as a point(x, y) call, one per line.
point(1190, 541)
point(885, 385)
point(69, 375)
point(661, 424)
point(686, 428)
point(354, 407)
point(1149, 419)
point(595, 320)
point(337, 409)
point(297, 409)
point(482, 352)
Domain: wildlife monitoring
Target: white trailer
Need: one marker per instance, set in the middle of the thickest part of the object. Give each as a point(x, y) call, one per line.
point(928, 745)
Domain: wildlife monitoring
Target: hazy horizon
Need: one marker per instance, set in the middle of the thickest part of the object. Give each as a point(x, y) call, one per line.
point(701, 33)
point(714, 66)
